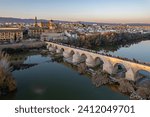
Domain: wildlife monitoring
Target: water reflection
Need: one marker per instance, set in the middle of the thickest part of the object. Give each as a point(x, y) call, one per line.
point(116, 47)
point(39, 89)
point(52, 80)
point(39, 77)
point(139, 51)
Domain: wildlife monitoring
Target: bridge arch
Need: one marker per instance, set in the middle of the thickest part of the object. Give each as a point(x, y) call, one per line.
point(49, 45)
point(72, 52)
point(83, 56)
point(68, 53)
point(52, 48)
point(119, 70)
point(90, 61)
point(59, 50)
point(62, 49)
point(142, 74)
point(98, 61)
point(55, 46)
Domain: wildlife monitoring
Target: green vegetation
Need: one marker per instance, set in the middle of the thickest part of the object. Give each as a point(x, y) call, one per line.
point(14, 50)
point(107, 39)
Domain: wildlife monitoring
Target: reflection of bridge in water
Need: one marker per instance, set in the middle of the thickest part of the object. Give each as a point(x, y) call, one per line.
point(110, 64)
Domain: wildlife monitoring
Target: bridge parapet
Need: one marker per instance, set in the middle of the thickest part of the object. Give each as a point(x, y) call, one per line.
point(97, 52)
point(132, 67)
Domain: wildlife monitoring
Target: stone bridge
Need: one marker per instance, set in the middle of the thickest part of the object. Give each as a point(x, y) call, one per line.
point(109, 64)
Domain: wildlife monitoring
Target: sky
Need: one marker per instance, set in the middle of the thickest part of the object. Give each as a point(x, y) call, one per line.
point(109, 11)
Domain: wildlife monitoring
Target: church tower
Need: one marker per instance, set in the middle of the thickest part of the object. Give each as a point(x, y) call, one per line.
point(52, 25)
point(35, 22)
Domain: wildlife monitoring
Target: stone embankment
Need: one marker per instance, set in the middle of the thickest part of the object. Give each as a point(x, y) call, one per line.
point(24, 45)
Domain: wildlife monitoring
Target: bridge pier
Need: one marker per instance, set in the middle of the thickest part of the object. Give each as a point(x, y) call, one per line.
point(52, 49)
point(59, 51)
point(108, 67)
point(67, 54)
point(47, 46)
point(90, 62)
point(76, 58)
point(130, 75)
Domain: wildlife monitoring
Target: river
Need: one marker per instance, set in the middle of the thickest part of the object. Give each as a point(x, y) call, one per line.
point(53, 81)
point(139, 51)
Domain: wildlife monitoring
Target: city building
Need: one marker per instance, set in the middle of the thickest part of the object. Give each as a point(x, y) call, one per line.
point(47, 36)
point(71, 35)
point(42, 27)
point(36, 23)
point(35, 32)
point(49, 24)
point(10, 34)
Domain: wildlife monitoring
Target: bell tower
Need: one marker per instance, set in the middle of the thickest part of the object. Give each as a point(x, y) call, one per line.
point(51, 24)
point(35, 22)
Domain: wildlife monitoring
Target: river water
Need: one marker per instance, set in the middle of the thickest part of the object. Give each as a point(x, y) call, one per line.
point(51, 80)
point(139, 51)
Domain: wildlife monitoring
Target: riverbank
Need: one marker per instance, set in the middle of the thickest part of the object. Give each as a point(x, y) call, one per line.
point(63, 80)
point(7, 81)
point(24, 44)
point(22, 47)
point(111, 40)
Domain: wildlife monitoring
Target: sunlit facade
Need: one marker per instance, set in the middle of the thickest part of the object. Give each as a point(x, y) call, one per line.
point(8, 34)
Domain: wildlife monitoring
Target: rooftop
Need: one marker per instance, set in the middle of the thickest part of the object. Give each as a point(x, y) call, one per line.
point(10, 29)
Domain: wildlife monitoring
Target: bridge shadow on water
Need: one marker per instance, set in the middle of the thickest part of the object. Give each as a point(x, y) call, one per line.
point(116, 81)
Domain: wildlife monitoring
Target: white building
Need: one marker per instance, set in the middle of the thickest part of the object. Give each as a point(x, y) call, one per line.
point(71, 35)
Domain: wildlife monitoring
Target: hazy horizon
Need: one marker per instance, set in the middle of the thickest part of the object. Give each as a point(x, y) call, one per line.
point(75, 21)
point(100, 11)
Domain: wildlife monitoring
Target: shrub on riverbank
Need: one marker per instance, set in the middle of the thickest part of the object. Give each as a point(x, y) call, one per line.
point(107, 39)
point(13, 50)
point(7, 82)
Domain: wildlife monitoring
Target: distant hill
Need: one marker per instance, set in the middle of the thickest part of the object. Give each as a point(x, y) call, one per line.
point(19, 20)
point(138, 24)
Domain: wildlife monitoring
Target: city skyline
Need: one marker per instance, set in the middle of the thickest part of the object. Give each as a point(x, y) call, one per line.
point(105, 11)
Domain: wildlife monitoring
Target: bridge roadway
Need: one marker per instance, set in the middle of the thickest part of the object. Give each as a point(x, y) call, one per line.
point(92, 59)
